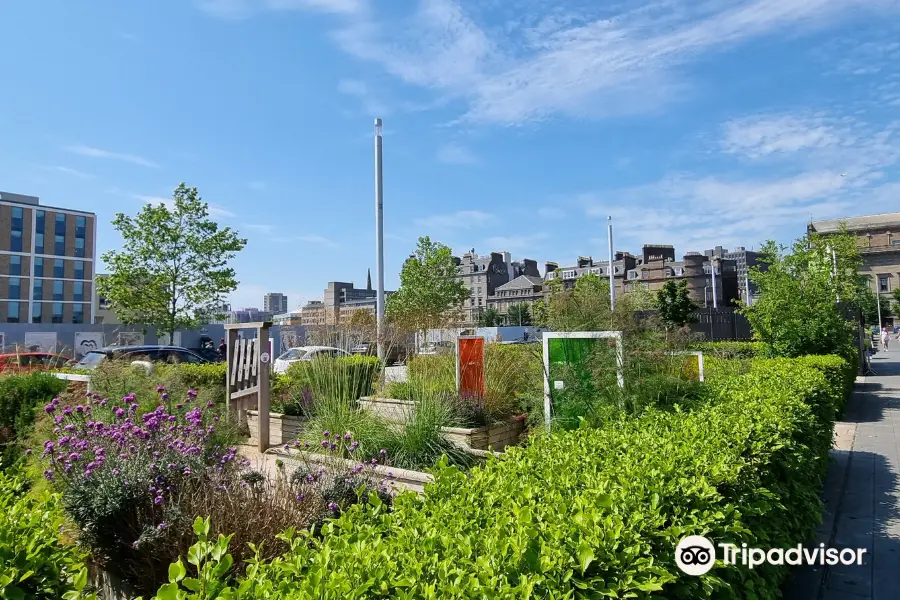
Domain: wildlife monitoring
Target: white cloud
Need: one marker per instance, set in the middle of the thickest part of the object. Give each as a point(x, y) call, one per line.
point(610, 61)
point(72, 172)
point(551, 212)
point(456, 154)
point(762, 135)
point(238, 9)
point(516, 242)
point(120, 156)
point(313, 239)
point(464, 219)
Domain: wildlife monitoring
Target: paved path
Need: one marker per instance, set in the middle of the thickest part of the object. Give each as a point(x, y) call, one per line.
point(862, 494)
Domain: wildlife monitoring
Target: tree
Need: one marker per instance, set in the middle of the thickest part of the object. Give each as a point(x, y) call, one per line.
point(518, 314)
point(428, 289)
point(489, 317)
point(676, 309)
point(796, 310)
point(173, 265)
point(362, 322)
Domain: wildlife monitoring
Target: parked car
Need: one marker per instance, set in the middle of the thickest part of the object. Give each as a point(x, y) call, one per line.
point(154, 354)
point(305, 353)
point(32, 361)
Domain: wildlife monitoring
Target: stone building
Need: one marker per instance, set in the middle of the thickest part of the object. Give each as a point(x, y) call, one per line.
point(482, 275)
point(878, 237)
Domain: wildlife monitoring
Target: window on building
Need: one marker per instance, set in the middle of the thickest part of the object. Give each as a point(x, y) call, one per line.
point(17, 217)
point(15, 241)
point(59, 244)
point(78, 291)
point(15, 264)
point(59, 268)
point(884, 284)
point(38, 289)
point(79, 246)
point(36, 312)
point(12, 312)
point(569, 274)
point(60, 227)
point(38, 267)
point(79, 269)
point(57, 290)
point(78, 313)
point(40, 220)
point(39, 243)
point(57, 312)
point(15, 288)
point(80, 226)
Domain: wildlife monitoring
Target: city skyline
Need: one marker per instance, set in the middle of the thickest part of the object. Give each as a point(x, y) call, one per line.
point(516, 128)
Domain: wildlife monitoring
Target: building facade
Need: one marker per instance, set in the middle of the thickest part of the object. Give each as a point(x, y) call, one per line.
point(744, 260)
point(340, 300)
point(623, 263)
point(654, 269)
point(482, 275)
point(524, 289)
point(250, 315)
point(878, 238)
point(275, 303)
point(47, 258)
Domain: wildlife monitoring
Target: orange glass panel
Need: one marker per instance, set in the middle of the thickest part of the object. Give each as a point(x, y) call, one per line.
point(471, 367)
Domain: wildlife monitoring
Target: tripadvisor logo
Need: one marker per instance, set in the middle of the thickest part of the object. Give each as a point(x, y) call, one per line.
point(696, 555)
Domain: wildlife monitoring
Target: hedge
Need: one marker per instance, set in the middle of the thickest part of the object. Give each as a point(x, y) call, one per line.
point(593, 512)
point(19, 396)
point(730, 349)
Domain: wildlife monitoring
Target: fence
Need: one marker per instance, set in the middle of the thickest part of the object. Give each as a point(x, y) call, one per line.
point(722, 324)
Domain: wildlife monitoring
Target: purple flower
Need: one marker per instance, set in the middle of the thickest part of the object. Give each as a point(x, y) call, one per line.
point(120, 413)
point(160, 388)
point(306, 444)
point(48, 475)
point(324, 443)
point(347, 436)
point(50, 408)
point(382, 452)
point(165, 396)
point(158, 500)
point(162, 525)
point(133, 407)
point(326, 433)
point(187, 471)
point(192, 393)
point(354, 446)
point(332, 506)
point(332, 446)
point(209, 404)
point(28, 452)
point(67, 410)
point(58, 419)
point(300, 497)
point(179, 405)
point(79, 409)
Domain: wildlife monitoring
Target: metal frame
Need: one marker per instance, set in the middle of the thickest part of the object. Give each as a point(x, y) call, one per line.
point(699, 356)
point(578, 335)
point(456, 344)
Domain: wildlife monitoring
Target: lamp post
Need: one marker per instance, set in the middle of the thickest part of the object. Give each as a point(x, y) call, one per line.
point(379, 242)
point(612, 281)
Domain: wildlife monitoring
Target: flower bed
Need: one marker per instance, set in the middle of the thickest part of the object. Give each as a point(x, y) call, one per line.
point(496, 436)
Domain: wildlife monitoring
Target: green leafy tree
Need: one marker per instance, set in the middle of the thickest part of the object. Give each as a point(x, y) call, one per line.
point(429, 289)
point(490, 317)
point(796, 310)
point(518, 314)
point(173, 265)
point(869, 305)
point(673, 301)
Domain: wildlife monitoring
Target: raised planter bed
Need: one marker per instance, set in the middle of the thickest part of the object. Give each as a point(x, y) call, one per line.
point(496, 436)
point(400, 479)
point(282, 428)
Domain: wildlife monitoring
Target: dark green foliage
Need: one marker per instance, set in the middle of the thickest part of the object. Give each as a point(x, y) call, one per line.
point(19, 397)
point(676, 309)
point(594, 512)
point(490, 317)
point(518, 314)
point(35, 564)
point(730, 349)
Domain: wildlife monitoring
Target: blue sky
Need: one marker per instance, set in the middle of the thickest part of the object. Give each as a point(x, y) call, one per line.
point(509, 125)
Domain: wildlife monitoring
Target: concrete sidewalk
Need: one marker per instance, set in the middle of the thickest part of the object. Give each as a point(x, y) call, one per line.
point(862, 501)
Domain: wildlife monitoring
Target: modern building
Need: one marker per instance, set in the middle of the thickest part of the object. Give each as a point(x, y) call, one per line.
point(47, 257)
point(275, 303)
point(104, 313)
point(878, 237)
point(484, 274)
point(340, 300)
point(744, 260)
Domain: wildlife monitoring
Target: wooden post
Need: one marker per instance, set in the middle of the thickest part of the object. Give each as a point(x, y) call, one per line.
point(230, 343)
point(263, 369)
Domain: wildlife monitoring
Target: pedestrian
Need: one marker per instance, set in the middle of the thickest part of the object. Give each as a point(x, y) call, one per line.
point(222, 348)
point(885, 338)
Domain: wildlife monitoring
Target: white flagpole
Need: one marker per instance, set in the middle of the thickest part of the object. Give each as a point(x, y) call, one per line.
point(612, 281)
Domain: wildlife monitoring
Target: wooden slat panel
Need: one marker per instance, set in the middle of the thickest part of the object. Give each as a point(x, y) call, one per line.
point(244, 393)
point(254, 368)
point(248, 359)
point(236, 365)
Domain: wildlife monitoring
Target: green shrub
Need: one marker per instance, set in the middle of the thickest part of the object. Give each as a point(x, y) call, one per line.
point(730, 349)
point(34, 562)
point(594, 512)
point(345, 378)
point(19, 396)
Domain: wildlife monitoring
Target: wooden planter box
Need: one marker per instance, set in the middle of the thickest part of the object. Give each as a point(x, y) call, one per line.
point(399, 479)
point(496, 436)
point(282, 428)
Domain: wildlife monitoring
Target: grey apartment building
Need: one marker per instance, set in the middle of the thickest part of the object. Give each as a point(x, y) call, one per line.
point(484, 274)
point(46, 262)
point(275, 303)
